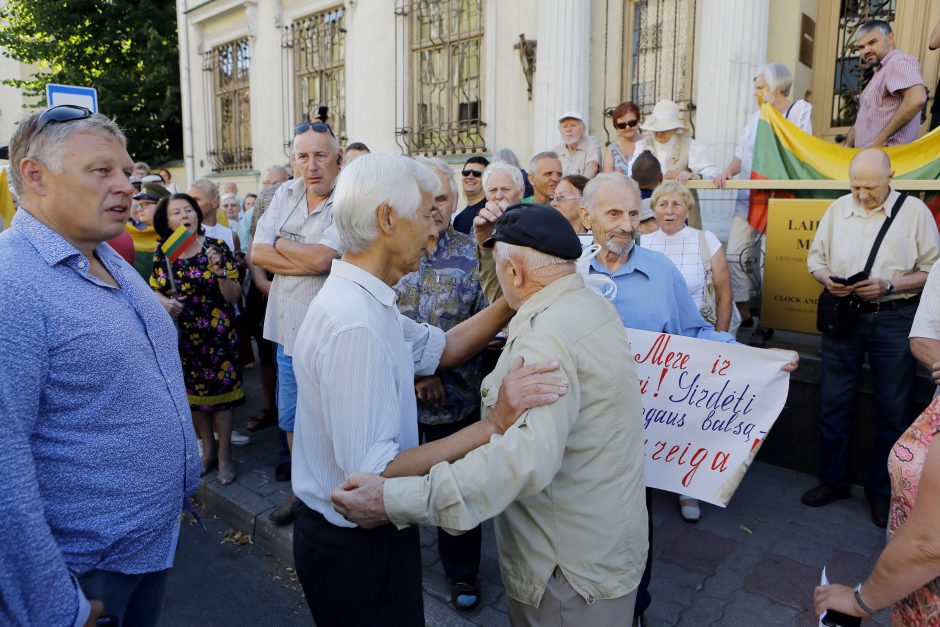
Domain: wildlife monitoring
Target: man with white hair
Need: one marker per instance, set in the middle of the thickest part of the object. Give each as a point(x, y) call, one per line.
point(445, 291)
point(544, 174)
point(291, 241)
point(96, 472)
point(503, 186)
point(579, 152)
point(557, 478)
point(680, 157)
point(356, 357)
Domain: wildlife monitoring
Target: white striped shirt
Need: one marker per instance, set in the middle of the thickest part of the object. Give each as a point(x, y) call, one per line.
point(290, 296)
point(355, 359)
point(880, 99)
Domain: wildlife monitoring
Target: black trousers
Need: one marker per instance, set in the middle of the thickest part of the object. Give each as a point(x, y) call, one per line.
point(355, 577)
point(460, 555)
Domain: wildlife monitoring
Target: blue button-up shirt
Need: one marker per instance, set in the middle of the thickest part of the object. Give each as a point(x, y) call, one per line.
point(99, 453)
point(652, 295)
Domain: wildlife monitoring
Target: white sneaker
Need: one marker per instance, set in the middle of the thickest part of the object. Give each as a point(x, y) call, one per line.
point(240, 440)
point(689, 509)
point(237, 439)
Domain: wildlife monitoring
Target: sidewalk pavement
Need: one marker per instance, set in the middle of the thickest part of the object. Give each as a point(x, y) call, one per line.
point(754, 563)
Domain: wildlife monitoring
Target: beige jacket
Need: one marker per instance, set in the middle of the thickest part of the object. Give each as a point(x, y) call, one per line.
point(566, 482)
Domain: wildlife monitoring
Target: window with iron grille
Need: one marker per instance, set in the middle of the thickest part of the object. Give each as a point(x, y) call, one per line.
point(229, 136)
point(317, 46)
point(852, 74)
point(446, 39)
point(662, 43)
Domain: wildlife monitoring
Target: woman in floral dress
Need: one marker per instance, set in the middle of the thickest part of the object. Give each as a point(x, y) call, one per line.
point(200, 293)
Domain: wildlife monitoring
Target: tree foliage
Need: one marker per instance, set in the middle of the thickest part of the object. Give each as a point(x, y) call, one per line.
point(126, 49)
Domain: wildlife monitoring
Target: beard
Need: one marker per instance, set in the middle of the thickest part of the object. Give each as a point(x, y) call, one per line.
point(618, 248)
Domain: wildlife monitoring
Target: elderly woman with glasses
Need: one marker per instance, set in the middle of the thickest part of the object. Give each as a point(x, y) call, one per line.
point(626, 119)
point(199, 289)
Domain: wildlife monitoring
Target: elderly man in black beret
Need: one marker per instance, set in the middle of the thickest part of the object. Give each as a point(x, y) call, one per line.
point(559, 477)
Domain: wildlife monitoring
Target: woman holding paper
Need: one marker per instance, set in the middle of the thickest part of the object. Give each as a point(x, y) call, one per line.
point(907, 573)
point(699, 257)
point(199, 275)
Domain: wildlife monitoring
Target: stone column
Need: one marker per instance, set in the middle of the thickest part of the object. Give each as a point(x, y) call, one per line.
point(562, 68)
point(731, 41)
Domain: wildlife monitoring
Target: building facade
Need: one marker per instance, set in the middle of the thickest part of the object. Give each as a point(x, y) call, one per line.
point(458, 77)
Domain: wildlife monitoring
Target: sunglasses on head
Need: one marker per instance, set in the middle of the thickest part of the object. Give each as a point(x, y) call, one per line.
point(475, 173)
point(316, 127)
point(58, 115)
point(623, 125)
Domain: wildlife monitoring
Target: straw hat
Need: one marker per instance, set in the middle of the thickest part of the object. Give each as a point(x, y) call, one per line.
point(665, 117)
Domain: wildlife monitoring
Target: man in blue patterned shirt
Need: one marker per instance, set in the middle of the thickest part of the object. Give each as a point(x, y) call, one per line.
point(445, 291)
point(96, 472)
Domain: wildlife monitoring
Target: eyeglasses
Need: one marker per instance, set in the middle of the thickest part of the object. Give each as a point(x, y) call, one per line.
point(562, 198)
point(623, 125)
point(474, 173)
point(316, 127)
point(58, 115)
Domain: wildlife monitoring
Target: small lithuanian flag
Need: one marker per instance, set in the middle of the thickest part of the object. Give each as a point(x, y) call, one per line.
point(175, 244)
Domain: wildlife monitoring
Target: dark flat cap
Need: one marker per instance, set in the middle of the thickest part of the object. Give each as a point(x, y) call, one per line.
point(537, 226)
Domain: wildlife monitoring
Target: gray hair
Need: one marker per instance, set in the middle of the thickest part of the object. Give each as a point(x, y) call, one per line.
point(502, 166)
point(371, 181)
point(879, 25)
point(227, 196)
point(531, 258)
point(49, 145)
point(438, 165)
point(589, 195)
point(777, 76)
point(546, 154)
point(280, 170)
point(506, 156)
point(209, 187)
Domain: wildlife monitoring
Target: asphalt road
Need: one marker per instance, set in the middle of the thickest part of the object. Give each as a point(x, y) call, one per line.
point(220, 583)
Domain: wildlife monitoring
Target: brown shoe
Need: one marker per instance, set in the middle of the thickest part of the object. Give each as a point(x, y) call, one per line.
point(284, 514)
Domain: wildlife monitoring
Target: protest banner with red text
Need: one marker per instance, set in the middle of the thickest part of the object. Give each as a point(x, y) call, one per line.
point(707, 406)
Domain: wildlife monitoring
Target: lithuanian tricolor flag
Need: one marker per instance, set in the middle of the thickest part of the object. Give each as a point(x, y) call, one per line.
point(784, 152)
point(175, 244)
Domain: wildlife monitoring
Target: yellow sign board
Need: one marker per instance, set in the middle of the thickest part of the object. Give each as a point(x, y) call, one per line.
point(790, 292)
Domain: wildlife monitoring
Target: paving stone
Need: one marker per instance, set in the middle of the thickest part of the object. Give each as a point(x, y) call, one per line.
point(705, 610)
point(784, 581)
point(752, 609)
point(693, 549)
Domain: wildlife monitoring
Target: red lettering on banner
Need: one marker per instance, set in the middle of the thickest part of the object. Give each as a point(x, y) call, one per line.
point(657, 355)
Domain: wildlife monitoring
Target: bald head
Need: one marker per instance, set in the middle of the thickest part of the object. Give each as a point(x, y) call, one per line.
point(872, 160)
point(870, 178)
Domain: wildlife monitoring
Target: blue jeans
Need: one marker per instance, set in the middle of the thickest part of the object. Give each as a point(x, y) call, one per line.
point(134, 599)
point(884, 336)
point(286, 391)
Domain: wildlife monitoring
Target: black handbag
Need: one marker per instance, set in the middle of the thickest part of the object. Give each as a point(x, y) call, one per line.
point(837, 316)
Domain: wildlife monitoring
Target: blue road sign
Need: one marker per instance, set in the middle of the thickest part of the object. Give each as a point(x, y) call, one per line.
point(71, 94)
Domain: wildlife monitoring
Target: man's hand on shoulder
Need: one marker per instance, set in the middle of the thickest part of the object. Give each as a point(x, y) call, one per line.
point(523, 388)
point(359, 499)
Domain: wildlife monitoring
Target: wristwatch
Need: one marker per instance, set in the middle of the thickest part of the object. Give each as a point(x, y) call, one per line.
point(858, 599)
point(890, 289)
